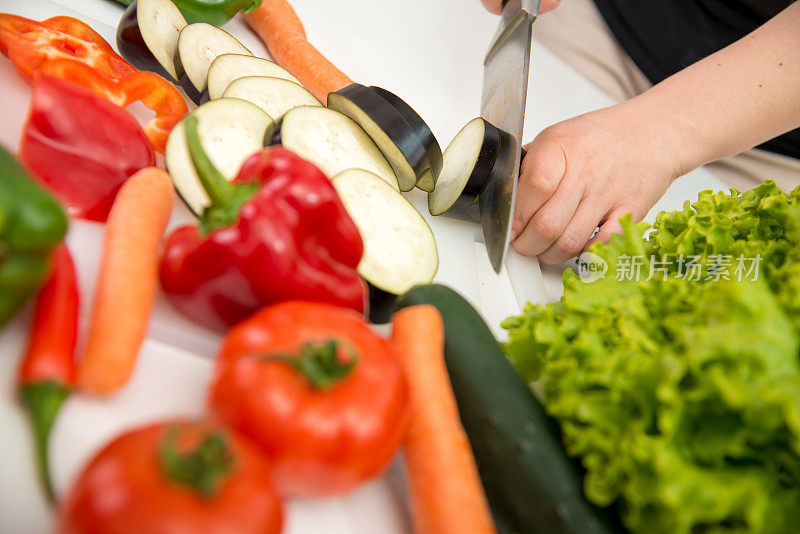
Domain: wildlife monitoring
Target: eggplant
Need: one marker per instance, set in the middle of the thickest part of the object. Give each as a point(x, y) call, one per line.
point(274, 95)
point(230, 130)
point(478, 153)
point(147, 36)
point(229, 67)
point(199, 44)
point(427, 182)
point(387, 128)
point(332, 141)
point(381, 305)
point(399, 247)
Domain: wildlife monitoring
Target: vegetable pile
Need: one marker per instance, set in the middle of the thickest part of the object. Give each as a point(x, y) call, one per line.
point(681, 396)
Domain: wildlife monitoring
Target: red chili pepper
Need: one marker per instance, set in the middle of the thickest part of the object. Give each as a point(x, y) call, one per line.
point(279, 232)
point(47, 373)
point(67, 48)
point(81, 146)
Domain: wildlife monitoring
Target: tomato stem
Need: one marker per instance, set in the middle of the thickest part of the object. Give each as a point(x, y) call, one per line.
point(203, 468)
point(319, 363)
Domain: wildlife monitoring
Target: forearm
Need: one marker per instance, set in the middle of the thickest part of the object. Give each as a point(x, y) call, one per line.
point(739, 97)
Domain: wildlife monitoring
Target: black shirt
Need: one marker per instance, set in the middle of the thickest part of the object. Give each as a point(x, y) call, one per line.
point(665, 36)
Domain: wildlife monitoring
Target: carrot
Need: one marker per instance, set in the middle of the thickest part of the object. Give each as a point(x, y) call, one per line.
point(446, 492)
point(276, 23)
point(127, 283)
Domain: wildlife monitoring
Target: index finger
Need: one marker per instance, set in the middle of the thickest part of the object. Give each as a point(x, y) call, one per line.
point(541, 171)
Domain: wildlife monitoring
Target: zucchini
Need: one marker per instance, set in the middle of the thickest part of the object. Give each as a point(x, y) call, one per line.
point(530, 482)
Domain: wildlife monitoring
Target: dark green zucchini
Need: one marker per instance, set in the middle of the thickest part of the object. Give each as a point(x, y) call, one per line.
point(531, 483)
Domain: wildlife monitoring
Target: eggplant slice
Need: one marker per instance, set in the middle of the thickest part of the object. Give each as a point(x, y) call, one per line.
point(387, 128)
point(199, 44)
point(332, 141)
point(427, 182)
point(381, 305)
point(473, 158)
point(273, 95)
point(399, 248)
point(147, 36)
point(229, 67)
point(230, 130)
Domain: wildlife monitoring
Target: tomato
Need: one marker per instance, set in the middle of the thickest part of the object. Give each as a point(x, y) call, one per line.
point(317, 390)
point(174, 478)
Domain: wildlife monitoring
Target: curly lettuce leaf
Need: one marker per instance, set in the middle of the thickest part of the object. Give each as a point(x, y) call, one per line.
point(680, 397)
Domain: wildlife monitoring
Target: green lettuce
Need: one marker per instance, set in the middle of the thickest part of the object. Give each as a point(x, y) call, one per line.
point(680, 397)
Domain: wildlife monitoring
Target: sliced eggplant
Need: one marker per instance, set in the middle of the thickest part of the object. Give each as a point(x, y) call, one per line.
point(387, 128)
point(381, 305)
point(147, 36)
point(423, 132)
point(274, 95)
point(228, 67)
point(427, 182)
point(199, 44)
point(477, 153)
point(230, 130)
point(399, 248)
point(332, 141)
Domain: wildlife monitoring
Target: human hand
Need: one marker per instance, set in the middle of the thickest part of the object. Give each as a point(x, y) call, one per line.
point(586, 172)
point(496, 6)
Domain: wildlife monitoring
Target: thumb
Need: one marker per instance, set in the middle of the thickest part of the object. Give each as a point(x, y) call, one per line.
point(494, 6)
point(547, 5)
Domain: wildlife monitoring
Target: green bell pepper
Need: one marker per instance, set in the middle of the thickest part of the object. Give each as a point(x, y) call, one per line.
point(216, 12)
point(32, 224)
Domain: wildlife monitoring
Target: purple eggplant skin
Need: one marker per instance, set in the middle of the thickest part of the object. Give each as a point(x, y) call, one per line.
point(132, 47)
point(198, 97)
point(418, 125)
point(381, 305)
point(495, 156)
point(389, 119)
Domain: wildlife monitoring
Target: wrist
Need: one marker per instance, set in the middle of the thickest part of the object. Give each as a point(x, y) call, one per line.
point(657, 136)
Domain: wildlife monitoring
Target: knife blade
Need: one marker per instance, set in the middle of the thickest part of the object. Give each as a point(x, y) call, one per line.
point(505, 89)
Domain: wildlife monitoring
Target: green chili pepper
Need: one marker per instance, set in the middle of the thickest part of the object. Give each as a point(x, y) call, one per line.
point(216, 12)
point(32, 224)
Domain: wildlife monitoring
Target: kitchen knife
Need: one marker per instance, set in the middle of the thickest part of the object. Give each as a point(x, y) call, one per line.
point(505, 89)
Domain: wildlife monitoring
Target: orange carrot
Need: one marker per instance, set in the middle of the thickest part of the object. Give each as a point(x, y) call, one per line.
point(446, 493)
point(127, 283)
point(276, 23)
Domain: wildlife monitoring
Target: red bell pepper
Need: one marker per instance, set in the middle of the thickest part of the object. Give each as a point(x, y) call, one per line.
point(81, 146)
point(29, 43)
point(278, 232)
point(47, 373)
point(68, 48)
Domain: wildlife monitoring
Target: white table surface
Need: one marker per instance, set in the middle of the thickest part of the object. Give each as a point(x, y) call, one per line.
point(430, 53)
